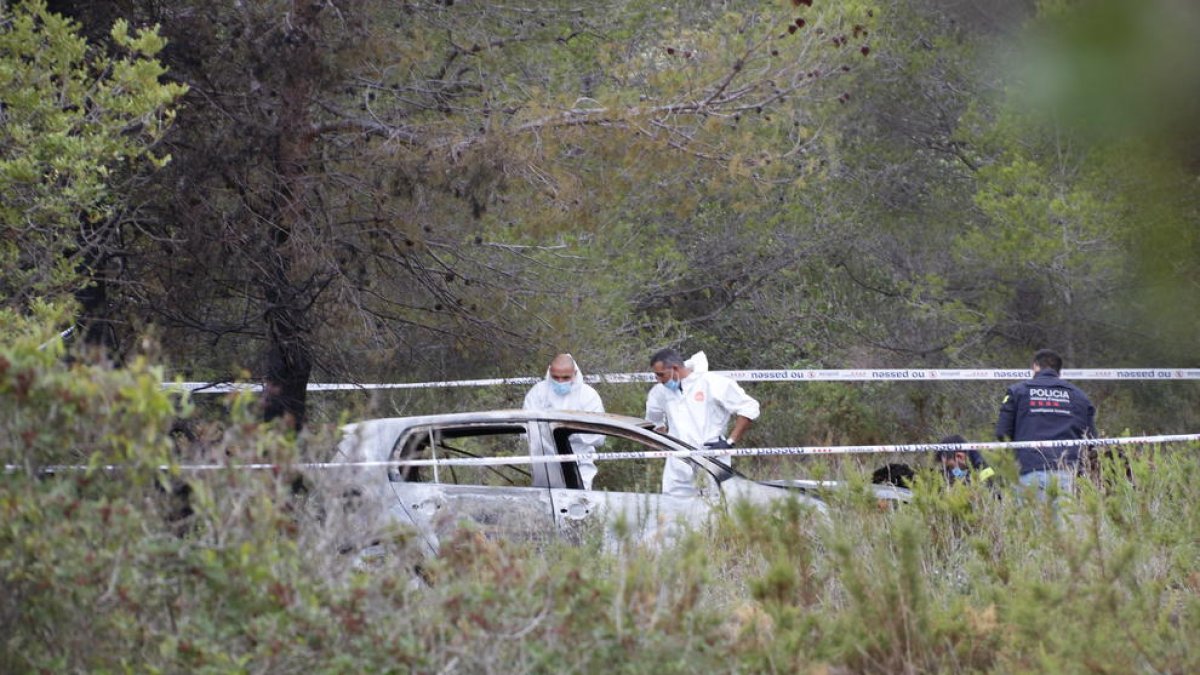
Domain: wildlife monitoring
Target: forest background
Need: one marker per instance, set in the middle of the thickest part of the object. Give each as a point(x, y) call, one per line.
point(362, 190)
point(389, 192)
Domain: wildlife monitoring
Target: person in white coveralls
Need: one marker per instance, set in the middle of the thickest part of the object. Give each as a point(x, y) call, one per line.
point(564, 389)
point(694, 405)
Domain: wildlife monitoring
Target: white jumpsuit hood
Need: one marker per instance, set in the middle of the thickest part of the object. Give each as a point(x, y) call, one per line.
point(698, 363)
point(581, 398)
point(577, 378)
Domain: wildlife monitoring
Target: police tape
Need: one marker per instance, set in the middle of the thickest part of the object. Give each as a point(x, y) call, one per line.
point(647, 454)
point(793, 451)
point(843, 375)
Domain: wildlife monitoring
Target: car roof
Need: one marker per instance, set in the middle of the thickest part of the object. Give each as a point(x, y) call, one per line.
point(400, 425)
point(502, 416)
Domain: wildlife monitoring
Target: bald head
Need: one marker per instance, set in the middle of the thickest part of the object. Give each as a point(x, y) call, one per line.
point(562, 368)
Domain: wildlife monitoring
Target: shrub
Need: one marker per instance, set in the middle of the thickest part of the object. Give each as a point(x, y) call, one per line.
point(99, 571)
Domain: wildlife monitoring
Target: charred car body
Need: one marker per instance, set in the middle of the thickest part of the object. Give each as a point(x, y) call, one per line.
point(538, 500)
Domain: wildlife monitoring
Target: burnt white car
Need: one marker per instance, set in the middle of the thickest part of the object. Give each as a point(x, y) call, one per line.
point(538, 501)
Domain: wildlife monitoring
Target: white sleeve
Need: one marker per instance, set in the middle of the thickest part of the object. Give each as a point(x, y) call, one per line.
point(591, 401)
point(735, 400)
point(532, 400)
point(656, 410)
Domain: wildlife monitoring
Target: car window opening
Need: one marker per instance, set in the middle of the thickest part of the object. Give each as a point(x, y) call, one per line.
point(630, 475)
point(466, 453)
point(473, 441)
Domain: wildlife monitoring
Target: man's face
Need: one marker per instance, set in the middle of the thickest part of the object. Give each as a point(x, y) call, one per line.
point(956, 461)
point(664, 373)
point(562, 373)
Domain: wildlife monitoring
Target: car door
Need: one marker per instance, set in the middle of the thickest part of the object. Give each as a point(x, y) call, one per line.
point(626, 499)
point(507, 501)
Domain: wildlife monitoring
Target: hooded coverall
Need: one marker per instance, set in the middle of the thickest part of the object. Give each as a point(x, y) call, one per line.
point(582, 398)
point(696, 414)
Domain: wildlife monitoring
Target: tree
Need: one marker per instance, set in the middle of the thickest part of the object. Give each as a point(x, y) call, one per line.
point(851, 264)
point(74, 126)
point(411, 177)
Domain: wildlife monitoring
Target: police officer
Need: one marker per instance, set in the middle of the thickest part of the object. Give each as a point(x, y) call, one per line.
point(1046, 408)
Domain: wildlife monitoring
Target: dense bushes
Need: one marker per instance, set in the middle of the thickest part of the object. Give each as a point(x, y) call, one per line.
point(100, 569)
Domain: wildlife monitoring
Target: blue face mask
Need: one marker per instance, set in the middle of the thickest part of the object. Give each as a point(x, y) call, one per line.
point(672, 384)
point(561, 388)
point(958, 473)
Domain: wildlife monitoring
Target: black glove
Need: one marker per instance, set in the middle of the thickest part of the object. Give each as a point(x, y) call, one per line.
point(720, 444)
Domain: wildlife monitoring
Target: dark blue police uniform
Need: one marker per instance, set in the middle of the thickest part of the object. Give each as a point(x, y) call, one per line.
point(1046, 408)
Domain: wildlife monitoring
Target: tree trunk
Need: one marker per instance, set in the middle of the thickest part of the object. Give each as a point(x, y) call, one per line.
point(289, 355)
point(94, 320)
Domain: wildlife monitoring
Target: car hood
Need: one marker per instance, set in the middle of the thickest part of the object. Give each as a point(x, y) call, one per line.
point(889, 492)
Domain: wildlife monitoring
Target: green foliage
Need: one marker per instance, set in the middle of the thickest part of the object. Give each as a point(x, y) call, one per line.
point(105, 570)
point(68, 534)
point(73, 120)
point(486, 190)
point(47, 408)
point(480, 188)
point(473, 184)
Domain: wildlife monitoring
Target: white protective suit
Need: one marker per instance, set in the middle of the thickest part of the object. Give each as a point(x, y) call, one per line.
point(696, 414)
point(582, 398)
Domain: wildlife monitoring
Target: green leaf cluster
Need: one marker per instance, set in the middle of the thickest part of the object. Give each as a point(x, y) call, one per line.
point(73, 121)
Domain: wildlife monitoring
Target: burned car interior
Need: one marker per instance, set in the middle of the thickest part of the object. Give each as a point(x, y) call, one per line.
point(475, 440)
point(512, 440)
